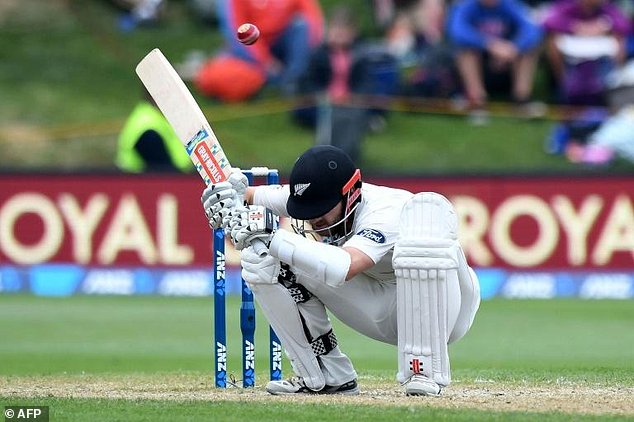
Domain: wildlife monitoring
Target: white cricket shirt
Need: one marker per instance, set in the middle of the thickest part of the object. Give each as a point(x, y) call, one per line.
point(375, 226)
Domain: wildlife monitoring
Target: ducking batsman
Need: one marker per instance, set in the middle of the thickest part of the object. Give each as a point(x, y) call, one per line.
point(385, 261)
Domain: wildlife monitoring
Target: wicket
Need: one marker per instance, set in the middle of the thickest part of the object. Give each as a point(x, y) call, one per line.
point(247, 310)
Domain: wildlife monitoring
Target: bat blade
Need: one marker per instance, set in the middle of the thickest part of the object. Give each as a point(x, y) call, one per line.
point(181, 110)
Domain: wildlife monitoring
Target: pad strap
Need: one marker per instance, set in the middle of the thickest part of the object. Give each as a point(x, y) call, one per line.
point(288, 279)
point(323, 344)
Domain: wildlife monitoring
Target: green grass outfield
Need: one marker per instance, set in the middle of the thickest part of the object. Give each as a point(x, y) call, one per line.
point(150, 358)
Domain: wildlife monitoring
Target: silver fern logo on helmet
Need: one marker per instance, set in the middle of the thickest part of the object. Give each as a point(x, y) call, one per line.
point(300, 188)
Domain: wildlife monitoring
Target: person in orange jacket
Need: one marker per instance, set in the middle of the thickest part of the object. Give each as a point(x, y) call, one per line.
point(289, 30)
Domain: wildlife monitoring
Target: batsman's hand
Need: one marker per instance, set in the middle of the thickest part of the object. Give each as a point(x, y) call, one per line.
point(247, 224)
point(258, 269)
point(220, 199)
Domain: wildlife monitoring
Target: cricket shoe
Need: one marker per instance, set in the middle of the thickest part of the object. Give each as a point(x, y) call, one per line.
point(420, 385)
point(296, 385)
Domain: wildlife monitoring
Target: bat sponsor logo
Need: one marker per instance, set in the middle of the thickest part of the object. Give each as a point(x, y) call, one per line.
point(209, 163)
point(193, 142)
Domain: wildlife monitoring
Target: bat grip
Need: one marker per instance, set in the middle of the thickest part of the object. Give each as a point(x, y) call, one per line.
point(260, 248)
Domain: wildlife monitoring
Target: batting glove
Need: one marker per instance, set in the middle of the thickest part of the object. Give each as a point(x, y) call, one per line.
point(250, 223)
point(220, 199)
point(257, 269)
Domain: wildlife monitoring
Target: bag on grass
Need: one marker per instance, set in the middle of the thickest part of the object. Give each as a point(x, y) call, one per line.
point(229, 79)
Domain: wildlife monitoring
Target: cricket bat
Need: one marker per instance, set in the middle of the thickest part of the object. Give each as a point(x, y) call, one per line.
point(182, 112)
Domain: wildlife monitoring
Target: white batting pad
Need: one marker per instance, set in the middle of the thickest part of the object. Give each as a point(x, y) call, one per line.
point(281, 311)
point(428, 294)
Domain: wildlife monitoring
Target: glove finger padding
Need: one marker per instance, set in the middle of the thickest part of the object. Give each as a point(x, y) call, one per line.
point(218, 200)
point(259, 270)
point(212, 190)
point(236, 218)
point(218, 214)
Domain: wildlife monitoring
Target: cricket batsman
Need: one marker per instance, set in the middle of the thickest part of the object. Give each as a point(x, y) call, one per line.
point(385, 261)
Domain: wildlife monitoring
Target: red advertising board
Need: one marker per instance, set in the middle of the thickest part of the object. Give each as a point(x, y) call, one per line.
point(541, 222)
point(157, 220)
point(103, 220)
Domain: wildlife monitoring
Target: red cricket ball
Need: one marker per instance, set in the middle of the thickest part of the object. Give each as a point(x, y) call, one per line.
point(248, 33)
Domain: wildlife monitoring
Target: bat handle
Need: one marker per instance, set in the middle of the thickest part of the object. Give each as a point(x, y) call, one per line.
point(260, 248)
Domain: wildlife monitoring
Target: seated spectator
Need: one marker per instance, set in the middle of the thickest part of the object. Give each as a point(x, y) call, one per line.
point(585, 41)
point(147, 142)
point(414, 33)
point(496, 40)
point(348, 76)
point(413, 24)
point(614, 138)
point(289, 30)
point(598, 134)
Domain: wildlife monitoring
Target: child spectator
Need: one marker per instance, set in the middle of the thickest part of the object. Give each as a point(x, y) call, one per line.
point(343, 72)
point(412, 23)
point(414, 33)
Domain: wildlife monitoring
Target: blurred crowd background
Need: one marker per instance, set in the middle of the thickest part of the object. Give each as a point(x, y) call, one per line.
point(407, 87)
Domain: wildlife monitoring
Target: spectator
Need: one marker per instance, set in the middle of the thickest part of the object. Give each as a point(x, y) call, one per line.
point(614, 138)
point(585, 41)
point(497, 45)
point(147, 142)
point(627, 7)
point(139, 12)
point(289, 29)
point(597, 135)
point(413, 24)
point(340, 70)
point(204, 10)
point(414, 32)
